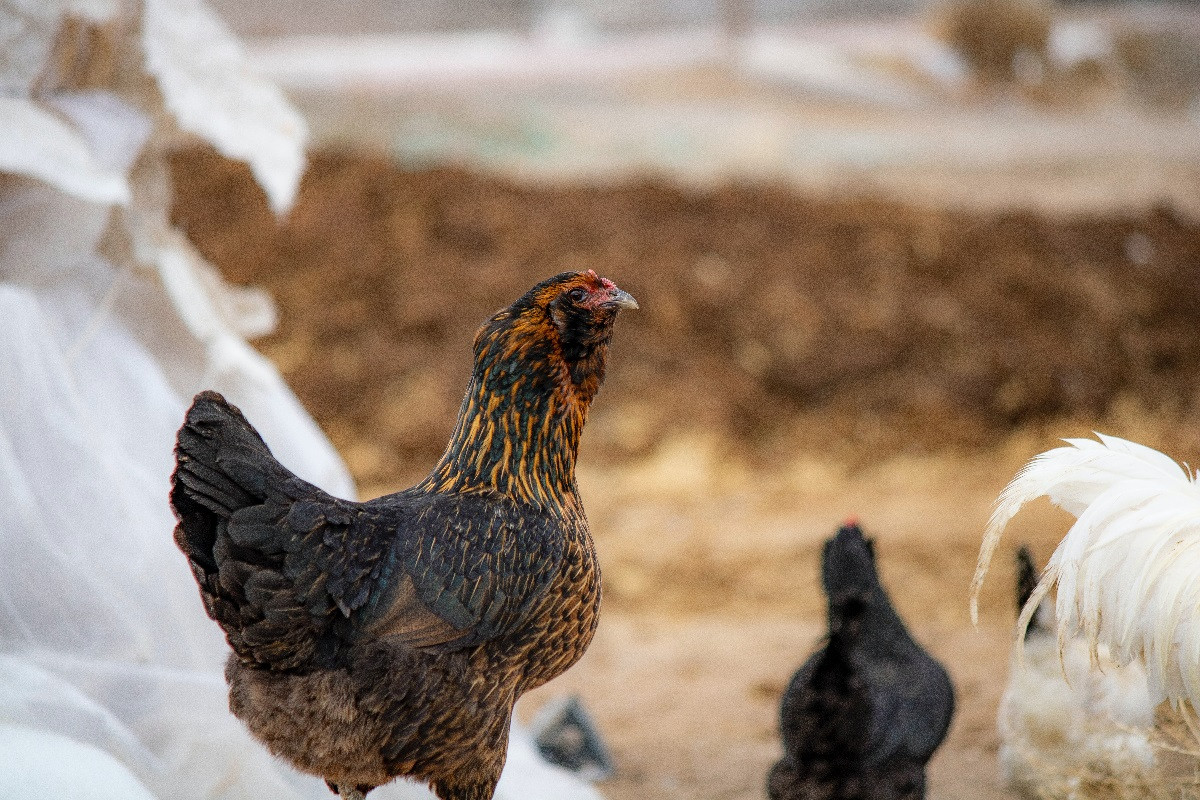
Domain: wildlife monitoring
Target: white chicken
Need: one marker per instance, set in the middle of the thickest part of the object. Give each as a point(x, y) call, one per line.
point(1071, 727)
point(1123, 633)
point(1128, 570)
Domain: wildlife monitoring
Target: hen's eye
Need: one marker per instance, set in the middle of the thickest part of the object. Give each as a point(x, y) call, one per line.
point(577, 294)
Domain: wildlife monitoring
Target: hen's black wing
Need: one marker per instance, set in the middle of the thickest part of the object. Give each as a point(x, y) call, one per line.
point(464, 569)
point(912, 703)
point(292, 574)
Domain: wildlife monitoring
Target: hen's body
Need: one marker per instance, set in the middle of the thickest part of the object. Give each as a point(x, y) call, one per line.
point(863, 715)
point(392, 637)
point(390, 699)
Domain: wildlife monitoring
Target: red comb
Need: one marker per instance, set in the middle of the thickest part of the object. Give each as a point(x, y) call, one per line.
point(605, 282)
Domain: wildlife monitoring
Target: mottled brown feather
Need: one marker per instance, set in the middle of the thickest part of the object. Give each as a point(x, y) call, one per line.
point(392, 637)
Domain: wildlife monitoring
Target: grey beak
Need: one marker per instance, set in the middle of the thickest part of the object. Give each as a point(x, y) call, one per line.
point(621, 299)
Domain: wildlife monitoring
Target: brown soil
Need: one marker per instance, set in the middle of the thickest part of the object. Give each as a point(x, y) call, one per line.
point(796, 360)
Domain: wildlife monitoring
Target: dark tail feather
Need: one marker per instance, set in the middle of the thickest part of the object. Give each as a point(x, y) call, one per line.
point(1027, 581)
point(1027, 578)
point(221, 465)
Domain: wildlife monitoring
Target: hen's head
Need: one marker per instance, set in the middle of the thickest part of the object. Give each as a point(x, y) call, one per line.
point(538, 364)
point(848, 564)
point(560, 328)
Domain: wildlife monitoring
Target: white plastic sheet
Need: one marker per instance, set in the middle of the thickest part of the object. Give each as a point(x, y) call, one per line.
point(103, 641)
point(110, 673)
point(202, 74)
point(38, 143)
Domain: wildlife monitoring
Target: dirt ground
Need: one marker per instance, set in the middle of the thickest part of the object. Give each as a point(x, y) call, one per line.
point(796, 361)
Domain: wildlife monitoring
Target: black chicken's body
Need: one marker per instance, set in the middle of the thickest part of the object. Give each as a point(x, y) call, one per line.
point(392, 637)
point(863, 715)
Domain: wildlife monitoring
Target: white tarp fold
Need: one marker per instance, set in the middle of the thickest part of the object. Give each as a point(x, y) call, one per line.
point(111, 682)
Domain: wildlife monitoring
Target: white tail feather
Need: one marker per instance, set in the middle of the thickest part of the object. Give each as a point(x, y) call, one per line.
point(1128, 571)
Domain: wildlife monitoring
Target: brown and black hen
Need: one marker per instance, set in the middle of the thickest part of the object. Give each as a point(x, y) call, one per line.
point(392, 637)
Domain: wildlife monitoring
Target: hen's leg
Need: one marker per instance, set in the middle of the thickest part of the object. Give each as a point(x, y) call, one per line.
point(350, 793)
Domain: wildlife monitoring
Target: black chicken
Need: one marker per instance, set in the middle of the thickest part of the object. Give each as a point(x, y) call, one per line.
point(392, 637)
point(862, 716)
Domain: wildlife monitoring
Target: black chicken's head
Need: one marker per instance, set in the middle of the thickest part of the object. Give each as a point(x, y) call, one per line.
point(848, 565)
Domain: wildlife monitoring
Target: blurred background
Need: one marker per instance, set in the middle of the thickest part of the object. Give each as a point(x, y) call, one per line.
point(885, 251)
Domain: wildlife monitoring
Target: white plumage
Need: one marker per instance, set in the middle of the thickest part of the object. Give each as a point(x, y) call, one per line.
point(1128, 571)
point(1071, 727)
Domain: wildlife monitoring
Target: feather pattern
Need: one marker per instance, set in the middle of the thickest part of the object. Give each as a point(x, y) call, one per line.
point(392, 637)
point(1128, 570)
